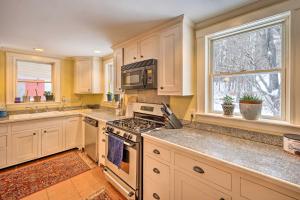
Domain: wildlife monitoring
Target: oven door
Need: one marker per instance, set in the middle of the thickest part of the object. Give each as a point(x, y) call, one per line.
point(129, 167)
point(134, 79)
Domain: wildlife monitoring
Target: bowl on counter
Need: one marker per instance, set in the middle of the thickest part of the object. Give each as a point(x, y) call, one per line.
point(3, 114)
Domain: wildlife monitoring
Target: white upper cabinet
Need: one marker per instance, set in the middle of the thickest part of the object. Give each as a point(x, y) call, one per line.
point(118, 62)
point(175, 66)
point(142, 49)
point(87, 75)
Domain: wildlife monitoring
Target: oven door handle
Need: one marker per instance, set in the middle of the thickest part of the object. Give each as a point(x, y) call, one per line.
point(126, 143)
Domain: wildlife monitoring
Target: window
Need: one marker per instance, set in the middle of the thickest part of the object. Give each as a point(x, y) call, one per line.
point(109, 78)
point(33, 79)
point(248, 60)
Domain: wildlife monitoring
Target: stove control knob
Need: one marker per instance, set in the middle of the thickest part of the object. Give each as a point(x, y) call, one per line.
point(118, 132)
point(125, 135)
point(130, 136)
point(111, 129)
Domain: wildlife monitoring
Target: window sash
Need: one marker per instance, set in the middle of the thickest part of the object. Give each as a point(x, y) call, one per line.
point(282, 69)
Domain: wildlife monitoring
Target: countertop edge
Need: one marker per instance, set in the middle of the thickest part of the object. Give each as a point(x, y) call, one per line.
point(289, 185)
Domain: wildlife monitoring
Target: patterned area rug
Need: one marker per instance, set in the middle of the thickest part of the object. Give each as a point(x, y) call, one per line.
point(101, 195)
point(25, 180)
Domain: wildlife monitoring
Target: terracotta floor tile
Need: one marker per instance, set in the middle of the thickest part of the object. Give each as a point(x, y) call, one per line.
point(41, 195)
point(63, 191)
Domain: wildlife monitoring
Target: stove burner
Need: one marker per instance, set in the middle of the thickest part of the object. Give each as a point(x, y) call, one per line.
point(136, 125)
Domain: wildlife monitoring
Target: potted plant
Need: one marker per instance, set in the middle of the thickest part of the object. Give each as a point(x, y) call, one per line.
point(228, 106)
point(36, 98)
point(109, 96)
point(26, 98)
point(250, 106)
point(49, 96)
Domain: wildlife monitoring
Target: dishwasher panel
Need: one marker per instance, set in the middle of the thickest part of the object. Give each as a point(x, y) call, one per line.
point(91, 138)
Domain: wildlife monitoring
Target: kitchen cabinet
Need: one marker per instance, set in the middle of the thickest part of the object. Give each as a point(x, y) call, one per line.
point(142, 49)
point(52, 138)
point(172, 172)
point(25, 145)
point(4, 140)
point(72, 132)
point(175, 66)
point(118, 63)
point(87, 75)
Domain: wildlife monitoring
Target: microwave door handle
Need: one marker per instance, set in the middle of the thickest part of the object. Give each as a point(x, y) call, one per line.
point(144, 77)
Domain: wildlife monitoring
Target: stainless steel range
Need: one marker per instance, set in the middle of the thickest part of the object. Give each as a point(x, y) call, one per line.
point(127, 177)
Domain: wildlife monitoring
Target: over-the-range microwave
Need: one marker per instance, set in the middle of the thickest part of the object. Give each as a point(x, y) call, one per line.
point(139, 75)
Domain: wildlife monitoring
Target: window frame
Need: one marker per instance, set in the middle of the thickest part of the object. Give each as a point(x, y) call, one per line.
point(11, 76)
point(106, 62)
point(255, 25)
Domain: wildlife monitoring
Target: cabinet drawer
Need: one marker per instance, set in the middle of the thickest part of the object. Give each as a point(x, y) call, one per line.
point(254, 191)
point(3, 141)
point(156, 171)
point(154, 191)
point(157, 151)
point(205, 171)
point(3, 129)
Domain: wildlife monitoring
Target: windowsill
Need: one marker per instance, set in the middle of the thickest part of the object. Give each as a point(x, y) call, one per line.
point(109, 104)
point(30, 104)
point(275, 127)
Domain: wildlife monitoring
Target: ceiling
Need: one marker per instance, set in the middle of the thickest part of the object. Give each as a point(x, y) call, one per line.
point(78, 27)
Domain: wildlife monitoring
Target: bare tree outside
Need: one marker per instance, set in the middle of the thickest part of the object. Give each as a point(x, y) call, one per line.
point(249, 62)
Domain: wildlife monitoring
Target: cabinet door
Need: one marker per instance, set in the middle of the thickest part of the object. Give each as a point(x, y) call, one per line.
point(118, 62)
point(83, 76)
point(3, 149)
point(51, 140)
point(149, 48)
point(131, 53)
point(72, 132)
point(169, 70)
point(187, 187)
point(25, 145)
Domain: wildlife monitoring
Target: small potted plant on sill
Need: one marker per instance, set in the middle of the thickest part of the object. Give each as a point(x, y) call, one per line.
point(250, 106)
point(49, 96)
point(228, 106)
point(26, 98)
point(36, 98)
point(109, 96)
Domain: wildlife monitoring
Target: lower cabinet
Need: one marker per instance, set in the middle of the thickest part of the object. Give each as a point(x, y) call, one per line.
point(101, 143)
point(25, 145)
point(189, 188)
point(52, 140)
point(72, 132)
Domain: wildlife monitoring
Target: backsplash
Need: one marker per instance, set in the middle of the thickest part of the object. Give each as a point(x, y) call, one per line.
point(239, 133)
point(147, 96)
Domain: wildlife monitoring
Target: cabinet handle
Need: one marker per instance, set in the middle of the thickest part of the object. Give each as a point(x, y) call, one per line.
point(155, 196)
point(198, 170)
point(156, 151)
point(103, 140)
point(161, 87)
point(134, 58)
point(34, 134)
point(156, 171)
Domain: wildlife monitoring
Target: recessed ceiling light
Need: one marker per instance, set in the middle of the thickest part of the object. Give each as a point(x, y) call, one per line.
point(97, 51)
point(39, 49)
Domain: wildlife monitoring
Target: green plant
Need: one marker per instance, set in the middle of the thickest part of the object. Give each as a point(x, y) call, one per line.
point(250, 99)
point(109, 93)
point(227, 100)
point(48, 93)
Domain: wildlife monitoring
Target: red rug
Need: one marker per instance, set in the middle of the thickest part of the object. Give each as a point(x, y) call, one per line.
point(25, 180)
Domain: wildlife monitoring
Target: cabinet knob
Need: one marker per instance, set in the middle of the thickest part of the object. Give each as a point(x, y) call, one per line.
point(120, 88)
point(45, 131)
point(156, 171)
point(142, 56)
point(103, 128)
point(134, 58)
point(156, 151)
point(161, 87)
point(222, 198)
point(103, 140)
point(89, 90)
point(103, 156)
point(155, 196)
point(34, 134)
point(198, 170)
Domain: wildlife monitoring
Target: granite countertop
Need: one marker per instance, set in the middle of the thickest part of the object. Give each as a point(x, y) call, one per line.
point(264, 159)
point(102, 114)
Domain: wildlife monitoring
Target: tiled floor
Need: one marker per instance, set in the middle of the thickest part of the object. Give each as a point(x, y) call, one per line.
point(78, 187)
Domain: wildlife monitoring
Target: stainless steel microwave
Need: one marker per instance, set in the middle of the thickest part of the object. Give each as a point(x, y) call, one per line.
point(139, 75)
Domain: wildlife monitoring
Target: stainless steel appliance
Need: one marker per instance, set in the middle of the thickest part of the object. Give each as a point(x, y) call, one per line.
point(139, 75)
point(91, 138)
point(128, 177)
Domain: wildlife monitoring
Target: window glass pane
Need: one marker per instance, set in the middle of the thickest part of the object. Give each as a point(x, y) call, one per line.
point(254, 50)
point(109, 78)
point(267, 86)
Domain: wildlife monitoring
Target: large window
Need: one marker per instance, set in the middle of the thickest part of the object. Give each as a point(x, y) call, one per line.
point(109, 78)
point(33, 79)
point(249, 60)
